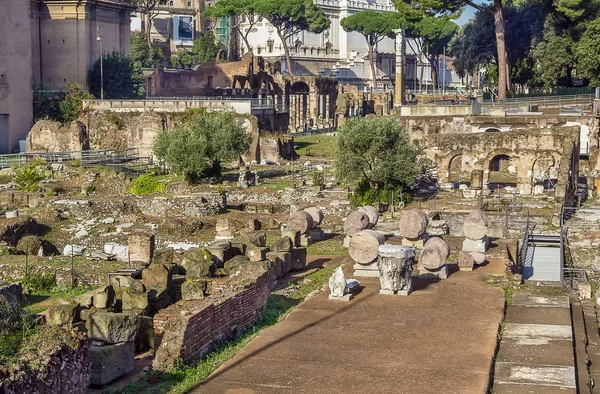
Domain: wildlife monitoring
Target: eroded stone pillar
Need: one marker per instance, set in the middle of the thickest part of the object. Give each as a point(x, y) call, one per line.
point(399, 98)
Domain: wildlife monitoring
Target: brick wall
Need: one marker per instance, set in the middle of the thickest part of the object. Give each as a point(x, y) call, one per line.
point(187, 329)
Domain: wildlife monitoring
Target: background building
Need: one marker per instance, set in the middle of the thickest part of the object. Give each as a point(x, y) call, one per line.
point(176, 24)
point(63, 37)
point(16, 101)
point(337, 53)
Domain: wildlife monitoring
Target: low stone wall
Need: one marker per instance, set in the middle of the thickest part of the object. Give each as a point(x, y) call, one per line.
point(188, 329)
point(65, 370)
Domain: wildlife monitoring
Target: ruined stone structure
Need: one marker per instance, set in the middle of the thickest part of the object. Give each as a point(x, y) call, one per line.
point(60, 369)
point(510, 158)
point(136, 127)
point(191, 335)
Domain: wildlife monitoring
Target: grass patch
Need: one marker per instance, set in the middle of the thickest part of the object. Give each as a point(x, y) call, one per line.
point(318, 145)
point(39, 301)
point(186, 377)
point(328, 247)
point(505, 284)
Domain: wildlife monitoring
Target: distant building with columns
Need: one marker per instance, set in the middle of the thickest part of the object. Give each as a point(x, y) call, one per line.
point(337, 53)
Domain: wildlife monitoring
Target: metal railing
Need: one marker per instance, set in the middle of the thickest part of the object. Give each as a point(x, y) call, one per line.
point(20, 159)
point(565, 103)
point(93, 158)
point(256, 103)
point(525, 245)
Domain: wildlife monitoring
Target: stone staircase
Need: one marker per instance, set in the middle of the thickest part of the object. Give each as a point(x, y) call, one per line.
point(536, 350)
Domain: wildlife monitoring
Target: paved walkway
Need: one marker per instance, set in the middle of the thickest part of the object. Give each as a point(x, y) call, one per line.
point(536, 351)
point(440, 339)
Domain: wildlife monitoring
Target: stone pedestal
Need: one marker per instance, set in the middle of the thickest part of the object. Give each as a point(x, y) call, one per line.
point(480, 245)
point(141, 248)
point(394, 264)
point(110, 362)
point(345, 297)
point(366, 270)
point(441, 273)
point(414, 243)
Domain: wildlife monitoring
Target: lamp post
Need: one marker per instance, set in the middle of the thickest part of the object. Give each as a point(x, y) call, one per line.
point(99, 39)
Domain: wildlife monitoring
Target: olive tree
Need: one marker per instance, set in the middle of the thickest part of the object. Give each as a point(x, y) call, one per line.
point(376, 153)
point(197, 149)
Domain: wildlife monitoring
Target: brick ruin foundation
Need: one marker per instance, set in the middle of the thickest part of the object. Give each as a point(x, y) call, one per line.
point(188, 329)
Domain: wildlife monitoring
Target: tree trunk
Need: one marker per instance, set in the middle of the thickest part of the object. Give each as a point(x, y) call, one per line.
point(245, 38)
point(422, 72)
point(500, 28)
point(148, 27)
point(509, 84)
point(287, 53)
point(372, 62)
point(434, 72)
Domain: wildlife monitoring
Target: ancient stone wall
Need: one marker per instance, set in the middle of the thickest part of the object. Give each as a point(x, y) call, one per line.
point(63, 370)
point(49, 136)
point(524, 149)
point(101, 129)
point(188, 329)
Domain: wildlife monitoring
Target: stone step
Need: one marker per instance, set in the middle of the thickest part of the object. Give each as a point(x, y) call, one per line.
point(537, 331)
point(531, 374)
point(531, 389)
point(540, 301)
point(537, 315)
point(540, 351)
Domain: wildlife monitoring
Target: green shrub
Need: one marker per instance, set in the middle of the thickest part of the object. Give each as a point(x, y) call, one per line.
point(146, 184)
point(89, 189)
point(28, 179)
point(316, 178)
point(364, 194)
point(39, 282)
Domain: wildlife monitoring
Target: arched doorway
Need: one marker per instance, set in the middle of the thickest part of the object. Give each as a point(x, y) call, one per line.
point(544, 175)
point(502, 172)
point(458, 173)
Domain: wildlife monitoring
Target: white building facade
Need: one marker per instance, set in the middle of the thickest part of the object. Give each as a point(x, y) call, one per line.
point(337, 53)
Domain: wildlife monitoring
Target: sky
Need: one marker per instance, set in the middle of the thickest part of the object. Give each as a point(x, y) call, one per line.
point(466, 15)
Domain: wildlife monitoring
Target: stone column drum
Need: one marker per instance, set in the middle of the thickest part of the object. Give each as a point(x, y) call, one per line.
point(475, 228)
point(413, 226)
point(432, 261)
point(395, 269)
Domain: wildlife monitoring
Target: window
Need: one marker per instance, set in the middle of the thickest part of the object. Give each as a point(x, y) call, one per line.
point(189, 4)
point(171, 4)
point(209, 82)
